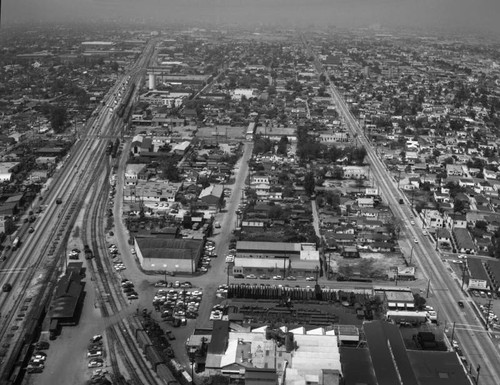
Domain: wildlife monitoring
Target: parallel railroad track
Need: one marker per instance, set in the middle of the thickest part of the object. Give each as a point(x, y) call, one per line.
point(119, 334)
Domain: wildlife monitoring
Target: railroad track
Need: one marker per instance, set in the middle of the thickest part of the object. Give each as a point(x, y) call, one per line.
point(34, 276)
point(119, 334)
point(36, 282)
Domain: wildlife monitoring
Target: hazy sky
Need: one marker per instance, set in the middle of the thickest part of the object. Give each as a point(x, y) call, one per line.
point(456, 14)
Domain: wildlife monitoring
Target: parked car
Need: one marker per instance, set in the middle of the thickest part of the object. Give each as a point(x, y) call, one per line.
point(96, 338)
point(34, 369)
point(94, 353)
point(41, 345)
point(96, 363)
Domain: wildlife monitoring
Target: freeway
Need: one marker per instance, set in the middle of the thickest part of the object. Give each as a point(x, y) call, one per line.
point(477, 343)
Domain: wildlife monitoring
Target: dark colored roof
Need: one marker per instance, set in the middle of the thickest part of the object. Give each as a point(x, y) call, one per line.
point(388, 354)
point(50, 150)
point(476, 269)
point(437, 368)
point(494, 269)
point(357, 366)
point(75, 267)
point(443, 233)
point(463, 239)
point(167, 230)
point(220, 335)
point(67, 293)
point(168, 248)
point(146, 143)
point(260, 376)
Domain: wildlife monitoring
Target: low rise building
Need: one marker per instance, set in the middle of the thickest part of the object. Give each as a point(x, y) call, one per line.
point(275, 356)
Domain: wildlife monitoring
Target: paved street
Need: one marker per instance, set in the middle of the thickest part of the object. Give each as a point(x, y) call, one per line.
point(445, 291)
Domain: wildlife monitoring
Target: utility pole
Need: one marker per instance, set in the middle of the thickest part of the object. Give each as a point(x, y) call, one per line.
point(452, 332)
point(428, 287)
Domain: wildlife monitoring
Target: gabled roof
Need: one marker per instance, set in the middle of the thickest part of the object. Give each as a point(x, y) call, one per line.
point(388, 354)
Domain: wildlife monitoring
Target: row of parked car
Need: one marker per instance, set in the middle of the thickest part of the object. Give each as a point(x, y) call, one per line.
point(129, 289)
point(117, 262)
point(208, 254)
point(489, 315)
point(174, 284)
point(95, 352)
point(483, 294)
point(37, 362)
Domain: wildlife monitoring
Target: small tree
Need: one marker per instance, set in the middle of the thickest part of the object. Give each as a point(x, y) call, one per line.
point(419, 301)
point(58, 118)
point(309, 183)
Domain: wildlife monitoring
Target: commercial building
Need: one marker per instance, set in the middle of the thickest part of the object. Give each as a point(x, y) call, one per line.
point(478, 277)
point(396, 298)
point(276, 258)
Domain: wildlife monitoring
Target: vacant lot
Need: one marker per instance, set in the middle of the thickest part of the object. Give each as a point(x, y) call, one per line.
point(369, 265)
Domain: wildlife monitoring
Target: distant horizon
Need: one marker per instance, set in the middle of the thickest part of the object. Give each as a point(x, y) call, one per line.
point(451, 16)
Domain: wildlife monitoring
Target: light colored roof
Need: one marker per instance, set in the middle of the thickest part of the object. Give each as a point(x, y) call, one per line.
point(263, 263)
point(215, 190)
point(134, 168)
point(268, 246)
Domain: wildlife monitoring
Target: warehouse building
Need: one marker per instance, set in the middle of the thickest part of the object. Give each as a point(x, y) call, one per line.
point(169, 255)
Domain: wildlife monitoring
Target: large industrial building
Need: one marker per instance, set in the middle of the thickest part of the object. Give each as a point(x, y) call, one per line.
point(274, 356)
point(169, 255)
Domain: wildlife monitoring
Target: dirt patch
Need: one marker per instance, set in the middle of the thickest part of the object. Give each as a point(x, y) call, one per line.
point(369, 265)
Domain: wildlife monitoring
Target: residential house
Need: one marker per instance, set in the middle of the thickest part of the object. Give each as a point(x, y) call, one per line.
point(456, 170)
point(463, 241)
point(432, 218)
